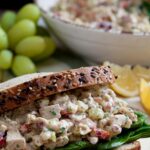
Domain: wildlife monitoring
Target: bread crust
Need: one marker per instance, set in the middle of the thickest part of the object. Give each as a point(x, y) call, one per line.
point(26, 92)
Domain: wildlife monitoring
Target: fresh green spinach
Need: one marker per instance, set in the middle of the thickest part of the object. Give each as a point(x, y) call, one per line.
point(141, 119)
point(80, 145)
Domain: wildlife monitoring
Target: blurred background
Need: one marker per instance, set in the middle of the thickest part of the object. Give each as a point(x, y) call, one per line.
point(13, 4)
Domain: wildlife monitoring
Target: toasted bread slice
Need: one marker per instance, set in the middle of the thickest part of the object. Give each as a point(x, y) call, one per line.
point(130, 146)
point(28, 88)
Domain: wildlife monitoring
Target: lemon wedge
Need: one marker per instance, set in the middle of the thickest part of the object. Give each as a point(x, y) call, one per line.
point(142, 72)
point(126, 84)
point(145, 94)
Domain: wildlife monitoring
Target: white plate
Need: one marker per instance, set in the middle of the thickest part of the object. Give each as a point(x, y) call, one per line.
point(97, 45)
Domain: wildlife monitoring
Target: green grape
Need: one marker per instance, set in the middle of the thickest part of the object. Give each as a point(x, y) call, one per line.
point(22, 65)
point(8, 20)
point(3, 39)
point(29, 11)
point(6, 57)
point(31, 46)
point(42, 31)
point(49, 49)
point(21, 30)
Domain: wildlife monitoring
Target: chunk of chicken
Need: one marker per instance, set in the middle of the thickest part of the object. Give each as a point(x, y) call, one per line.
point(65, 125)
point(15, 141)
point(122, 121)
point(61, 99)
point(91, 124)
point(62, 140)
point(78, 116)
point(3, 128)
point(81, 129)
point(50, 112)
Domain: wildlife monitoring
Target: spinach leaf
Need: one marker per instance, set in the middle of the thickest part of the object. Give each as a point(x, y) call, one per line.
point(141, 119)
point(80, 145)
point(113, 143)
point(141, 132)
point(127, 137)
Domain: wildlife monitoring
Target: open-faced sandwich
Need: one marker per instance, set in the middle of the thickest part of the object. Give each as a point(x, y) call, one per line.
point(69, 110)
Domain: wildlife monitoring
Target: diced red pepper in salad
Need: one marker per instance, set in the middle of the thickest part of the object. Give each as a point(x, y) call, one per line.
point(102, 134)
point(2, 142)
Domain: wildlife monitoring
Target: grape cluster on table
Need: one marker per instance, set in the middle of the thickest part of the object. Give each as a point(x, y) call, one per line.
point(23, 41)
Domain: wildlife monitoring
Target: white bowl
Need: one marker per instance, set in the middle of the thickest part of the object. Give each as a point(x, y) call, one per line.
point(97, 45)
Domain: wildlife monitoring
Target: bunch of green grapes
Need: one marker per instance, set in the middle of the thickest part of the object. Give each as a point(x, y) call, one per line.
point(22, 42)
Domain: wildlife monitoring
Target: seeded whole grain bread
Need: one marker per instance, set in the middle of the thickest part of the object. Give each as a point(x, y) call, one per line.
point(28, 88)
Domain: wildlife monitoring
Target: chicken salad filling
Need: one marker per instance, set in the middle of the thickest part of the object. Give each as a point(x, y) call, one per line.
point(121, 16)
point(92, 114)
